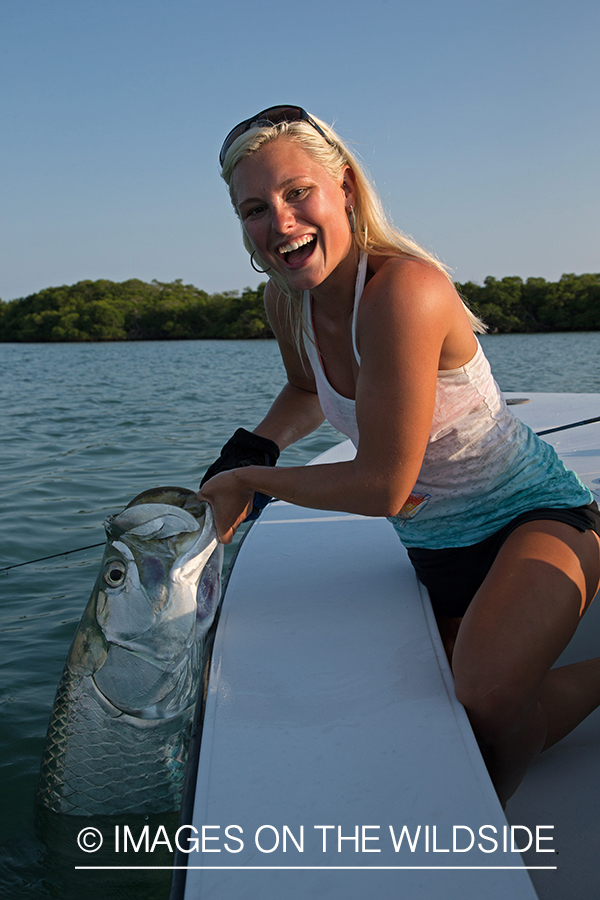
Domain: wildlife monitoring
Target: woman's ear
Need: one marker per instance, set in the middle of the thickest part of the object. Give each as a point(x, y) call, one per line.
point(349, 186)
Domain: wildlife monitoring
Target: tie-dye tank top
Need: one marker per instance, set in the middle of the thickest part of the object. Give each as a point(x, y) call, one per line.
point(482, 466)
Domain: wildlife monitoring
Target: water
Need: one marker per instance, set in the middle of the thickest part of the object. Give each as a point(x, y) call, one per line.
point(567, 363)
point(84, 429)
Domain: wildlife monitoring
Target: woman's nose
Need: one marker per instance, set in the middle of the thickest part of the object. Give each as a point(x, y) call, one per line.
point(282, 218)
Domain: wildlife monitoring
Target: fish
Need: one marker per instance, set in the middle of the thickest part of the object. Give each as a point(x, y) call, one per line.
point(120, 725)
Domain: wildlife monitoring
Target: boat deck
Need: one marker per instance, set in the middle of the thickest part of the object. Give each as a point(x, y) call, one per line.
point(562, 788)
point(330, 725)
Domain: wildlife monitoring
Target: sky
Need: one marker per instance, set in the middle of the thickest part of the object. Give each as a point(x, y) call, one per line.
point(477, 119)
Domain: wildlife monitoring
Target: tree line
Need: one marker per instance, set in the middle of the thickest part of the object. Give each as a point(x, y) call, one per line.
point(512, 305)
point(133, 311)
point(137, 311)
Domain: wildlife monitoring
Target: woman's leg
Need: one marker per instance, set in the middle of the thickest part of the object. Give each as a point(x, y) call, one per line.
point(521, 619)
point(448, 629)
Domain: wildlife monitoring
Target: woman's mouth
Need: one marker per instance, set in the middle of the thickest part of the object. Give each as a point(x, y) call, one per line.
point(296, 251)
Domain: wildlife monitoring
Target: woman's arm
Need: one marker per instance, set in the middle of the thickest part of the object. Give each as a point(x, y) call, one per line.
point(296, 412)
point(409, 316)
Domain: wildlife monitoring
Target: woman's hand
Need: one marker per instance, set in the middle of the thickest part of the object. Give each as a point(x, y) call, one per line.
point(231, 502)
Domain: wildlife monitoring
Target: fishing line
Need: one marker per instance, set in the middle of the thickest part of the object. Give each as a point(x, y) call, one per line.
point(53, 556)
point(93, 546)
point(572, 425)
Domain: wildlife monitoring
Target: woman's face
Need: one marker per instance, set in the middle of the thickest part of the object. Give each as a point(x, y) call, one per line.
point(294, 212)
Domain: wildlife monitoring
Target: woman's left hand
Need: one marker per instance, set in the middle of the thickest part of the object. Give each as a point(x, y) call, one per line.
point(231, 503)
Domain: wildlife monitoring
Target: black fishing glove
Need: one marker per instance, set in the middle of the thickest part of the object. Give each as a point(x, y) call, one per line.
point(246, 449)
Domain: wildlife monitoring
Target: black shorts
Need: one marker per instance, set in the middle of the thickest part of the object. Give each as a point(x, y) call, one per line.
point(453, 575)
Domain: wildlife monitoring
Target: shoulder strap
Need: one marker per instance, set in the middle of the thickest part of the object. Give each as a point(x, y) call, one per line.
point(361, 277)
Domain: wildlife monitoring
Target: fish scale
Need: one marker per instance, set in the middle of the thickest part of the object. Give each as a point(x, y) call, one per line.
point(92, 763)
point(104, 759)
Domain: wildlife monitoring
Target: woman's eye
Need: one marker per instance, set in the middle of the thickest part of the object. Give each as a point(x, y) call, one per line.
point(297, 192)
point(114, 573)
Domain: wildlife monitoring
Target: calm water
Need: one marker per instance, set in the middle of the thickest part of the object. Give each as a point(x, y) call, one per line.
point(84, 429)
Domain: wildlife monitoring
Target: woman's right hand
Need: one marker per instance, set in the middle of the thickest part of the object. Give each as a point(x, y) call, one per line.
point(231, 502)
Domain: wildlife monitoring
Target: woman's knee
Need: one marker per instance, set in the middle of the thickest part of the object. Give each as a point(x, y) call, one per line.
point(495, 710)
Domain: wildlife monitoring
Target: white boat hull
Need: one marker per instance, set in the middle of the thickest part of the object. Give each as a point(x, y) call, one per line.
point(330, 716)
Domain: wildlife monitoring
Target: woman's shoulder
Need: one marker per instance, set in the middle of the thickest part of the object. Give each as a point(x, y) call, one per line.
point(408, 300)
point(276, 307)
point(409, 270)
point(273, 294)
point(407, 281)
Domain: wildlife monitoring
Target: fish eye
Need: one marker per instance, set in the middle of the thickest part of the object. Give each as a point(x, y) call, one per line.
point(114, 573)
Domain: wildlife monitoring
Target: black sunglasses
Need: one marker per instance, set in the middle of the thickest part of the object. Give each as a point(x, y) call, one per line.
point(271, 116)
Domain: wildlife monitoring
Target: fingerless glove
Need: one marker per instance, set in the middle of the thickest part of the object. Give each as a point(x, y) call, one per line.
point(246, 449)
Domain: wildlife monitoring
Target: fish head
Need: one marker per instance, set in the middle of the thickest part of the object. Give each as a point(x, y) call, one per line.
point(148, 583)
point(148, 600)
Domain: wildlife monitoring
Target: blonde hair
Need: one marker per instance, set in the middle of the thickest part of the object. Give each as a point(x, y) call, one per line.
point(374, 233)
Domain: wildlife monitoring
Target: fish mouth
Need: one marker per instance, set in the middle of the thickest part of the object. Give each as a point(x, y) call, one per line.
point(296, 251)
point(182, 498)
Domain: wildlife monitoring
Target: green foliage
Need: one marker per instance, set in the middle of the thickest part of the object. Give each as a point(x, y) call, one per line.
point(511, 305)
point(133, 310)
point(136, 311)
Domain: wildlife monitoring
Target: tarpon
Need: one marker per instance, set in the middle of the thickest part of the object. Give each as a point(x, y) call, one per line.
point(120, 725)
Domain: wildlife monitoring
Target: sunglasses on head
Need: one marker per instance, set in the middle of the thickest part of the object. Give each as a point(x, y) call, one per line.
point(271, 116)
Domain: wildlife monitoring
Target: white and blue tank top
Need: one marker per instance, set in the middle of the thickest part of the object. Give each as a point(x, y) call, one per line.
point(482, 466)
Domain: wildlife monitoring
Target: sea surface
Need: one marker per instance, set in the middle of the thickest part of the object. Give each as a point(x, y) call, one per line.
point(86, 427)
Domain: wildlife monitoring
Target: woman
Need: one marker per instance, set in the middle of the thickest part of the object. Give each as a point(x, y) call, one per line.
point(375, 338)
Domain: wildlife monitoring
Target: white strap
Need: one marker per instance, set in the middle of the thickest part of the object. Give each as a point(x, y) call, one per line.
point(361, 277)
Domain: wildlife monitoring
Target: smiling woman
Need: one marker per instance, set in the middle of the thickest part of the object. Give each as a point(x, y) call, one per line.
point(375, 338)
point(295, 220)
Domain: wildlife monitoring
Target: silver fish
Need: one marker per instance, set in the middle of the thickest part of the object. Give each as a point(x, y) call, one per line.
point(120, 725)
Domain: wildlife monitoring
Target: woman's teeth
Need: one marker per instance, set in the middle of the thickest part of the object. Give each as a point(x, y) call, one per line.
point(294, 245)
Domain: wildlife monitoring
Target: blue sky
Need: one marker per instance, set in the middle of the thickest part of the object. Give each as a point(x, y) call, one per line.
point(478, 121)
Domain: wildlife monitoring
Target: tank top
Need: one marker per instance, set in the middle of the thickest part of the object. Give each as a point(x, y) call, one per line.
point(482, 466)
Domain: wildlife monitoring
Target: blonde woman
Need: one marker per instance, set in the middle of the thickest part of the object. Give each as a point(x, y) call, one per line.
point(375, 338)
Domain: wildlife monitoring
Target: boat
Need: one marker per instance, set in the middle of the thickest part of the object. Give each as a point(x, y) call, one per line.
point(330, 757)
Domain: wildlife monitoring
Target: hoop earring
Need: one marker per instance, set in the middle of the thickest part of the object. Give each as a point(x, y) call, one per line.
point(262, 271)
point(351, 219)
